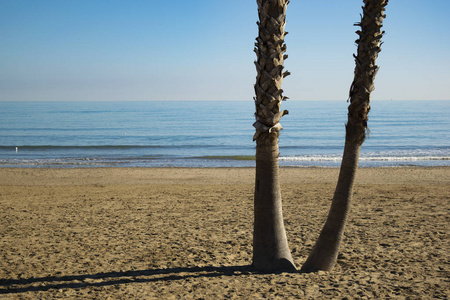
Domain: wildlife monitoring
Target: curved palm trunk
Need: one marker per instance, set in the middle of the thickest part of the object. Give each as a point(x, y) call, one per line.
point(270, 246)
point(324, 254)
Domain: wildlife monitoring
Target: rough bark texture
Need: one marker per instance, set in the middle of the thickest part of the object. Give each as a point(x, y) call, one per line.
point(270, 247)
point(324, 254)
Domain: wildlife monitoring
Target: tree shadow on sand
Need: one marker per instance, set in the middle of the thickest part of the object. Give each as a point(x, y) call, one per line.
point(12, 286)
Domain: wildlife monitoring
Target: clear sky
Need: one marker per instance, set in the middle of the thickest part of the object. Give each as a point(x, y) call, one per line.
point(203, 50)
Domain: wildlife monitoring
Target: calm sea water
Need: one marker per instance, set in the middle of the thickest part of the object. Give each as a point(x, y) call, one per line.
point(214, 134)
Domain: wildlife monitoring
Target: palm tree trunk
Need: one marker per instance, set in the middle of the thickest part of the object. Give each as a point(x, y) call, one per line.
point(324, 254)
point(270, 247)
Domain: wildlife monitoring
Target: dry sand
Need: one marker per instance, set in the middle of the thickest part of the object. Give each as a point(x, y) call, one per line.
point(119, 233)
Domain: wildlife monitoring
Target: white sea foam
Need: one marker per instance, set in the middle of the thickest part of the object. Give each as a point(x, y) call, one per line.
point(374, 158)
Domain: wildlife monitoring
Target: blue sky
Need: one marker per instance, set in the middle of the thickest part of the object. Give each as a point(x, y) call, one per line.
point(203, 50)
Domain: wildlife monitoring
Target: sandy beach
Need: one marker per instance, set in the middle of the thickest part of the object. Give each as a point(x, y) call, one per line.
point(173, 233)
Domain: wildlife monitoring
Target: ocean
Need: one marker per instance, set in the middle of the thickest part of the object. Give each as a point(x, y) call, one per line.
point(214, 134)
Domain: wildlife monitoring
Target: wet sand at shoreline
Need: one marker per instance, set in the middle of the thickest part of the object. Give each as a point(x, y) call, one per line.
point(174, 233)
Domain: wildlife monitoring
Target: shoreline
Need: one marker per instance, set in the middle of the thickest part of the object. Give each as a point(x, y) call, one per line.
point(238, 163)
point(152, 233)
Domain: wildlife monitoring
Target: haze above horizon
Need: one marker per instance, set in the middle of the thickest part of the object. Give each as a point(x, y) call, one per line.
point(203, 50)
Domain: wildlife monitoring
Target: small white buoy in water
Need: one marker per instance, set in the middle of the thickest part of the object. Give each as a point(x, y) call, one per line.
point(17, 149)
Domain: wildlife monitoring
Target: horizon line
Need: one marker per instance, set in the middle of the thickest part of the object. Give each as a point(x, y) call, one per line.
point(203, 100)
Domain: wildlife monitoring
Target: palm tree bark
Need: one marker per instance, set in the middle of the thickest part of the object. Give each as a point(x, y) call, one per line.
point(270, 247)
point(324, 254)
